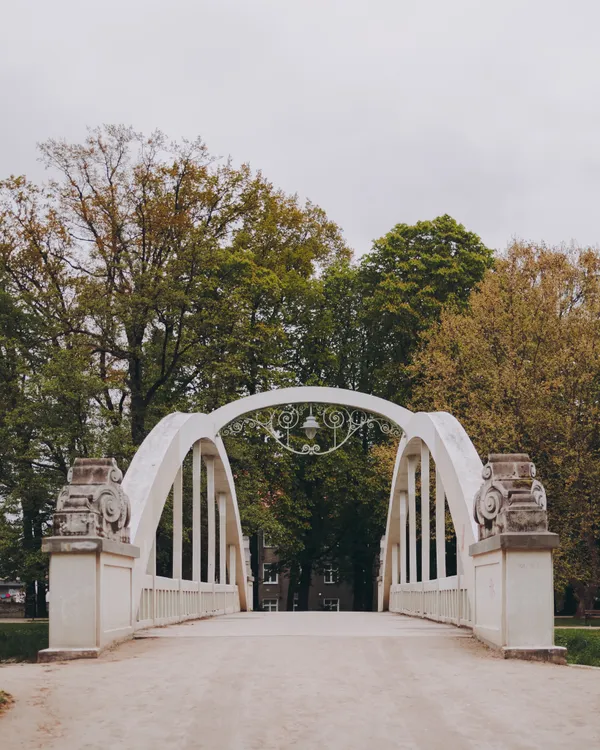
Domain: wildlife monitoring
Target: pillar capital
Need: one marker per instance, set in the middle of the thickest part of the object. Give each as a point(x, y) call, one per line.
point(510, 499)
point(93, 503)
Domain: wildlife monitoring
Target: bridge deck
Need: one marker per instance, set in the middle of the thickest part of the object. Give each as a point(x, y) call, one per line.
point(304, 681)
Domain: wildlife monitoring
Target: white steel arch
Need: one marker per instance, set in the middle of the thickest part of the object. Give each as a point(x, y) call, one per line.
point(155, 465)
point(459, 467)
point(311, 394)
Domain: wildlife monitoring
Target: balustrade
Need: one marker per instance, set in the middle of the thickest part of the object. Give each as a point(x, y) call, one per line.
point(445, 598)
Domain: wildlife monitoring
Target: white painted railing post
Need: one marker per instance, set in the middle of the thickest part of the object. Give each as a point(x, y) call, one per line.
point(412, 518)
point(440, 527)
point(395, 564)
point(152, 572)
point(178, 534)
point(177, 523)
point(232, 564)
point(402, 499)
point(210, 500)
point(425, 526)
point(196, 513)
point(222, 536)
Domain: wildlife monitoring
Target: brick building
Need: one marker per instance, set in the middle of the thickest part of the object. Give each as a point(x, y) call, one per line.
point(326, 592)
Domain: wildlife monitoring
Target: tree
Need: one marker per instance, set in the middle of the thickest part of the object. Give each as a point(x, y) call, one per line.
point(151, 278)
point(410, 274)
point(520, 368)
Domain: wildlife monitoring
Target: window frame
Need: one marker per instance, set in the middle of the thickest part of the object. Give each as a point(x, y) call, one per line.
point(332, 573)
point(272, 600)
point(276, 573)
point(332, 599)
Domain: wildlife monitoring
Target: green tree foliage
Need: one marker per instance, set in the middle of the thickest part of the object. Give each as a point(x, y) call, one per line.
point(404, 282)
point(520, 368)
point(146, 277)
point(143, 278)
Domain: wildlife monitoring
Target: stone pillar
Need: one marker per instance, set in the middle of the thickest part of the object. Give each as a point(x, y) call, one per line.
point(513, 577)
point(91, 562)
point(222, 537)
point(440, 527)
point(210, 513)
point(425, 526)
point(412, 518)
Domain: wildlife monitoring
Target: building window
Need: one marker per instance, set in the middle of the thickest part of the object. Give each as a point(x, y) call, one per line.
point(330, 574)
point(270, 573)
point(331, 605)
point(295, 603)
point(270, 605)
point(267, 540)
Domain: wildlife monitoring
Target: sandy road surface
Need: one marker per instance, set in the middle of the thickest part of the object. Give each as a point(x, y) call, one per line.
point(272, 681)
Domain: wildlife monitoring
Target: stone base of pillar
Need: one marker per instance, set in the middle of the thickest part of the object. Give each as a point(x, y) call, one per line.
point(513, 595)
point(90, 595)
point(66, 654)
point(554, 654)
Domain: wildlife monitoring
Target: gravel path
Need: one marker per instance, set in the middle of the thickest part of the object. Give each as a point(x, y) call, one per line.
point(272, 681)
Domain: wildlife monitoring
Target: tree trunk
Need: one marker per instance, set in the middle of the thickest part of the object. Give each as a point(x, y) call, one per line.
point(358, 587)
point(304, 588)
point(369, 586)
point(138, 403)
point(41, 609)
point(292, 587)
point(30, 600)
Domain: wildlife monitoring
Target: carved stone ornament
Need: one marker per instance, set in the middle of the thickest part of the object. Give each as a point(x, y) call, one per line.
point(93, 503)
point(510, 499)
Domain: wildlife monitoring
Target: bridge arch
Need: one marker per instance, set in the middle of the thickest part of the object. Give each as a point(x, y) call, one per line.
point(154, 469)
point(458, 477)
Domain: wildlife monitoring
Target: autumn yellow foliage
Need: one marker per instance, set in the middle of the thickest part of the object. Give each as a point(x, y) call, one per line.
point(521, 370)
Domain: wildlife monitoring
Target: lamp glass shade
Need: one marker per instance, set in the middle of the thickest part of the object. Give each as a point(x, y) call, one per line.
point(310, 427)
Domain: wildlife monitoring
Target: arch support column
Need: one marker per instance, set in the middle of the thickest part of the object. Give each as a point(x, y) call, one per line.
point(210, 515)
point(412, 518)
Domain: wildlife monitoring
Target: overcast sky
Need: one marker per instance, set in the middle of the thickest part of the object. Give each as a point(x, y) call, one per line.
point(380, 111)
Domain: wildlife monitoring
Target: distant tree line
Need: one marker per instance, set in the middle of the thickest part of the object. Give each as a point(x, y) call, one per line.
point(145, 277)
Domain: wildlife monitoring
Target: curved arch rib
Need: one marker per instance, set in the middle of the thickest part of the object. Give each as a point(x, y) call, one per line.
point(459, 467)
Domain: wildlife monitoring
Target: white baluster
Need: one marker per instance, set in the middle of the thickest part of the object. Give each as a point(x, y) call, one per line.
point(232, 564)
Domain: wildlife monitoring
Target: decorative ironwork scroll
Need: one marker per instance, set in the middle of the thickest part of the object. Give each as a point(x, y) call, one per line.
point(284, 424)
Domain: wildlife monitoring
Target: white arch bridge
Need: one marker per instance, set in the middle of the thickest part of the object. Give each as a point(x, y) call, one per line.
point(103, 581)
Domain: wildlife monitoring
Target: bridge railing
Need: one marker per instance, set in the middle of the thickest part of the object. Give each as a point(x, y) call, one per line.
point(169, 600)
point(442, 600)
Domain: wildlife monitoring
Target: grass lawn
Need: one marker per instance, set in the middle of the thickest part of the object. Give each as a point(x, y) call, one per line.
point(574, 622)
point(20, 641)
point(583, 645)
